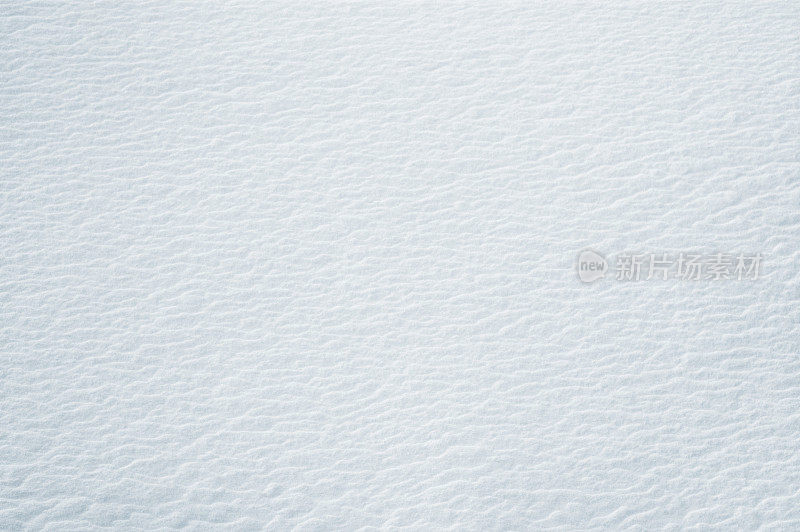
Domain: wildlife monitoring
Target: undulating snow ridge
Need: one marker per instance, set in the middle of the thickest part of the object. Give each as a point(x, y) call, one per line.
point(272, 266)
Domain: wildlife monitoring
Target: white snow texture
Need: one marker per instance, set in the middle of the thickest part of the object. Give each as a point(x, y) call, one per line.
point(285, 266)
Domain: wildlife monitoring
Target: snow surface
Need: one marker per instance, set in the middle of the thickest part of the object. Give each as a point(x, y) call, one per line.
point(276, 266)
